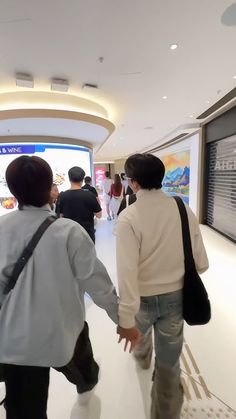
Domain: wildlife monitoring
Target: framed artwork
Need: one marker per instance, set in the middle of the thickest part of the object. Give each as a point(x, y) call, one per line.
point(176, 180)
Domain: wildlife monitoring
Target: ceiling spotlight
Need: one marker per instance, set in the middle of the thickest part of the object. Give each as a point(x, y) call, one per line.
point(59, 85)
point(90, 86)
point(164, 97)
point(191, 116)
point(24, 80)
point(173, 47)
point(234, 77)
point(207, 101)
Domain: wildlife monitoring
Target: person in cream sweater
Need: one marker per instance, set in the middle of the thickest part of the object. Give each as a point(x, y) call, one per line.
point(150, 266)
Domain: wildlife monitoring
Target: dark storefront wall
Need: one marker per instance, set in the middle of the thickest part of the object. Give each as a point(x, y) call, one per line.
point(220, 208)
point(221, 194)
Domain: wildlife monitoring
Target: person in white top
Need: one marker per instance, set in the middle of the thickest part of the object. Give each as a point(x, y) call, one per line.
point(150, 267)
point(42, 319)
point(124, 182)
point(116, 194)
point(54, 194)
point(106, 187)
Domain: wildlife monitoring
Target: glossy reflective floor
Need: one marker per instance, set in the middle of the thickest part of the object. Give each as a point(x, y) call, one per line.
point(208, 360)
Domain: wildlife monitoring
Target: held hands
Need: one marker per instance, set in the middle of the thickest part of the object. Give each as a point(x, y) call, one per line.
point(131, 336)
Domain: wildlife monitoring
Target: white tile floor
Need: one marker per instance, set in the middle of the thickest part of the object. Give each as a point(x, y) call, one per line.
point(123, 391)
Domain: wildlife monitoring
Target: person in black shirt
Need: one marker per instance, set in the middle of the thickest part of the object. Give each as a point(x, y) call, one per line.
point(87, 181)
point(126, 201)
point(79, 204)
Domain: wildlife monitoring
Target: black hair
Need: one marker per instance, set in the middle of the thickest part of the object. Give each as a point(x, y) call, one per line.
point(76, 174)
point(30, 180)
point(87, 179)
point(107, 174)
point(146, 169)
point(122, 175)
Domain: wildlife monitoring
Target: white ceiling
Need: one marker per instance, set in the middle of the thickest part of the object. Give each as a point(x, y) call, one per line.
point(65, 39)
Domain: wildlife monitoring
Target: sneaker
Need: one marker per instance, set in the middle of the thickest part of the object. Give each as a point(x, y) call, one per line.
point(109, 218)
point(84, 398)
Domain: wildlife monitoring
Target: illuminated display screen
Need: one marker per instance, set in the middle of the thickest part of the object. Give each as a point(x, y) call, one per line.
point(60, 157)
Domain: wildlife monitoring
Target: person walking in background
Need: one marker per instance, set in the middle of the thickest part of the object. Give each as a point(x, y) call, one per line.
point(87, 186)
point(124, 182)
point(78, 204)
point(54, 194)
point(106, 187)
point(150, 268)
point(116, 194)
point(42, 319)
point(126, 201)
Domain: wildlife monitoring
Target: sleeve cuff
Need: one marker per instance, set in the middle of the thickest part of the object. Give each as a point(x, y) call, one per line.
point(127, 323)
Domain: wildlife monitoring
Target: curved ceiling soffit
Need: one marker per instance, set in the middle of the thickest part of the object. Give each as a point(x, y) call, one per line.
point(50, 100)
point(29, 105)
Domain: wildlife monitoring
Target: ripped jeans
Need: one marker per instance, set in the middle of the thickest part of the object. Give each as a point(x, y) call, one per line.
point(164, 313)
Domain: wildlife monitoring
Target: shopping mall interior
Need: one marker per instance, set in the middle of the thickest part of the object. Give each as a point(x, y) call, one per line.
point(88, 83)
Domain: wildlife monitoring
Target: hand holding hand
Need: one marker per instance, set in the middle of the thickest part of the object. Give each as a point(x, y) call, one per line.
point(131, 335)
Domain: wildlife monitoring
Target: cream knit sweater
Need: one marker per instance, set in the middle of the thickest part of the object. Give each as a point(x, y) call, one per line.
point(150, 258)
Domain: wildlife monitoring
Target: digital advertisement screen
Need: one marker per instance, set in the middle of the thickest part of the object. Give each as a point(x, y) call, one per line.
point(59, 156)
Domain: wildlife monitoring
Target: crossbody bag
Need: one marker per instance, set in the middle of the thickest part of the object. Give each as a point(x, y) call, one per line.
point(196, 304)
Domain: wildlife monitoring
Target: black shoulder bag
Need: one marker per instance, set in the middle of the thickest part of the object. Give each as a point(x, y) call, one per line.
point(21, 262)
point(196, 304)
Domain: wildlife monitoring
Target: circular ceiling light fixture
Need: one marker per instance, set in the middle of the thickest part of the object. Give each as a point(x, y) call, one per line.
point(173, 47)
point(234, 77)
point(229, 16)
point(164, 97)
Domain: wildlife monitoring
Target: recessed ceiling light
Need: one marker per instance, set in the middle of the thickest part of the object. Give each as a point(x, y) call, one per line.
point(89, 86)
point(59, 85)
point(174, 46)
point(24, 80)
point(191, 116)
point(164, 97)
point(234, 77)
point(207, 101)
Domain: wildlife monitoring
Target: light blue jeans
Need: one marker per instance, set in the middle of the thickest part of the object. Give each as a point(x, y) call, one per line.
point(164, 314)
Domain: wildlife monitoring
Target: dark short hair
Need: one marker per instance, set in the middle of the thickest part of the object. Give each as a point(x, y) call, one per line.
point(122, 175)
point(146, 169)
point(76, 174)
point(30, 180)
point(87, 179)
point(107, 174)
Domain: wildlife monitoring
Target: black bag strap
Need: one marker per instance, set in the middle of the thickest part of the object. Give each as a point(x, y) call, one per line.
point(188, 252)
point(27, 253)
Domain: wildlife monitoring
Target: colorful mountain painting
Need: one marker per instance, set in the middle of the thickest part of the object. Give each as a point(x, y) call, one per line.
point(176, 180)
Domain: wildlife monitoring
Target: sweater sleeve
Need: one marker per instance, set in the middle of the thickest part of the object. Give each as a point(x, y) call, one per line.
point(127, 254)
point(91, 273)
point(199, 251)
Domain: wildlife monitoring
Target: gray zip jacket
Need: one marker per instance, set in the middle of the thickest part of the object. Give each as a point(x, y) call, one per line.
point(42, 317)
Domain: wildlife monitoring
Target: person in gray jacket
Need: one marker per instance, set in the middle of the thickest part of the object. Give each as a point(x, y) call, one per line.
point(42, 320)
